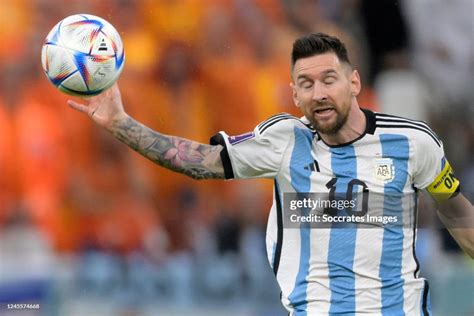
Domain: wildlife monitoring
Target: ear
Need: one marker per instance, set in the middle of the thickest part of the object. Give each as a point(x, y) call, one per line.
point(295, 95)
point(355, 83)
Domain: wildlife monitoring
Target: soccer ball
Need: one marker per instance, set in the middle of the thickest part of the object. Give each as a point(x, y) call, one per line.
point(83, 55)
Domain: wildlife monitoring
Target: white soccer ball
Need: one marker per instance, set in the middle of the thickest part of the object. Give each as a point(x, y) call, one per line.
point(83, 55)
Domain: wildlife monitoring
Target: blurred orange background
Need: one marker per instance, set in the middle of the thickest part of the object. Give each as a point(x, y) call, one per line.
point(194, 68)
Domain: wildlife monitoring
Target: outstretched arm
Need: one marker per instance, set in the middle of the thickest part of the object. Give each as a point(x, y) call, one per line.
point(196, 160)
point(457, 215)
point(199, 161)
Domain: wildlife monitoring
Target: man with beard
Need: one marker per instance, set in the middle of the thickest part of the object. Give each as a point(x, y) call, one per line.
point(336, 149)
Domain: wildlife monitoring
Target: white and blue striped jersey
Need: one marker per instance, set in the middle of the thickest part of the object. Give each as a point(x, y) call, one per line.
point(332, 271)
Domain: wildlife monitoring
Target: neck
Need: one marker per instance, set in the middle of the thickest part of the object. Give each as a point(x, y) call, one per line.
point(351, 130)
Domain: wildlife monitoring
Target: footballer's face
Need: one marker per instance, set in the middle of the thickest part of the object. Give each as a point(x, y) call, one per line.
point(325, 89)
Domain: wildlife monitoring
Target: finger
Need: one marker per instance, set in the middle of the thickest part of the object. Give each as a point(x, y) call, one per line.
point(77, 106)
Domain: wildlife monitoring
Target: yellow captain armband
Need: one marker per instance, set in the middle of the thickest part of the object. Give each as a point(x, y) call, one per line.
point(445, 185)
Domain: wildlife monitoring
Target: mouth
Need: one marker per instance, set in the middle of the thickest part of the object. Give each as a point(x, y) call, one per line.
point(324, 111)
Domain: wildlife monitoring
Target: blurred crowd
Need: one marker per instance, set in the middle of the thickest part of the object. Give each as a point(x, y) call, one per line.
point(194, 68)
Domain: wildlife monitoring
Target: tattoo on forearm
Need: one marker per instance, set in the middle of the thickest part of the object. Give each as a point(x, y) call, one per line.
point(196, 160)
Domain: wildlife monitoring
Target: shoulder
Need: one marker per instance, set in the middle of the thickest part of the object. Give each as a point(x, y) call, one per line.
point(282, 123)
point(418, 131)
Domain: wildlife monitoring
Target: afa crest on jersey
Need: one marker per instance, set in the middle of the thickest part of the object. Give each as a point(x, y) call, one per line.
point(384, 169)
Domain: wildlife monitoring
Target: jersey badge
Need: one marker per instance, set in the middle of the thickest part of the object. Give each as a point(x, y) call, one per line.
point(234, 140)
point(384, 169)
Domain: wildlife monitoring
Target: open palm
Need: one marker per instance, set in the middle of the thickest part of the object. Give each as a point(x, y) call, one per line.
point(104, 108)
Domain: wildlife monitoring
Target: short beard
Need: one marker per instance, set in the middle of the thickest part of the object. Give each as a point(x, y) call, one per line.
point(333, 128)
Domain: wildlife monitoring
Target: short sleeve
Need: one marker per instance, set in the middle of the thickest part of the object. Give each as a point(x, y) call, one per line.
point(259, 153)
point(428, 160)
point(432, 170)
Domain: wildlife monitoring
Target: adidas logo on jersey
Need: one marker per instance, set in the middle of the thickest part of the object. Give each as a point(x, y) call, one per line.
point(314, 166)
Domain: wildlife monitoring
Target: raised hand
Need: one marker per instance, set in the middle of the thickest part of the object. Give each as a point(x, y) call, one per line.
point(105, 109)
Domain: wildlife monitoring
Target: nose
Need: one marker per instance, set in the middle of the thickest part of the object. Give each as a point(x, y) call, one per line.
point(319, 93)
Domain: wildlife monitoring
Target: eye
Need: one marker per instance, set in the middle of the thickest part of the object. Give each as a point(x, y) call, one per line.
point(306, 84)
point(329, 80)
